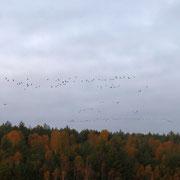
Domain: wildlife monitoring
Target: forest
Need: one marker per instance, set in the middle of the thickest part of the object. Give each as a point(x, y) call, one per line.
point(45, 153)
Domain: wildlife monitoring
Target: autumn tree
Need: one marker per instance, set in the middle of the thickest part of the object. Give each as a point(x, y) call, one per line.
point(158, 152)
point(17, 158)
point(148, 172)
point(93, 138)
point(55, 141)
point(65, 164)
point(131, 150)
point(15, 137)
point(59, 141)
point(78, 167)
point(35, 139)
point(103, 136)
point(49, 159)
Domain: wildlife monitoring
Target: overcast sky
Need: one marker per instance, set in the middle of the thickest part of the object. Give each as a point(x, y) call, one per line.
point(91, 40)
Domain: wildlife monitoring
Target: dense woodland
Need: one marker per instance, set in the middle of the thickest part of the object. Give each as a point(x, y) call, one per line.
point(52, 154)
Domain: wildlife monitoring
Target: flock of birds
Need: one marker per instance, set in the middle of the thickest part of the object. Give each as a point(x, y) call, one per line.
point(59, 82)
point(97, 82)
point(122, 118)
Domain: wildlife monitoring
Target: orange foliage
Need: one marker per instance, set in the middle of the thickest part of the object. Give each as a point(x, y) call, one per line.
point(92, 138)
point(104, 135)
point(154, 143)
point(54, 142)
point(158, 151)
point(49, 156)
point(156, 173)
point(130, 140)
point(169, 146)
point(105, 153)
point(148, 170)
point(45, 140)
point(141, 170)
point(78, 163)
point(59, 141)
point(17, 158)
point(64, 141)
point(36, 139)
point(78, 167)
point(38, 127)
point(63, 175)
point(47, 175)
point(65, 164)
point(15, 137)
point(131, 150)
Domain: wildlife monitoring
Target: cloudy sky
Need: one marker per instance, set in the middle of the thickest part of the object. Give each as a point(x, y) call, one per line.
point(89, 43)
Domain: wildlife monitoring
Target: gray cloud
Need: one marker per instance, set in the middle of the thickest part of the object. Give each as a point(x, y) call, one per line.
point(91, 39)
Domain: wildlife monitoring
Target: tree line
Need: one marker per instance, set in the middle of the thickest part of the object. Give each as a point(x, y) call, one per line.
point(45, 153)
